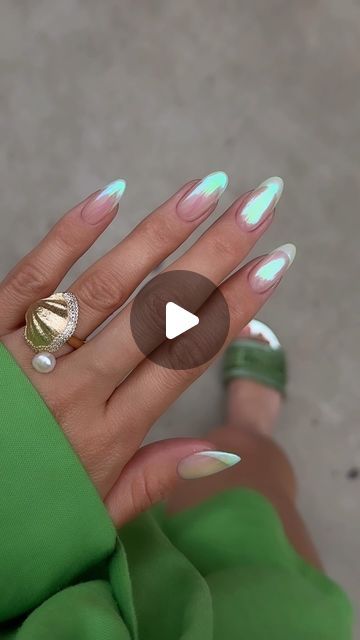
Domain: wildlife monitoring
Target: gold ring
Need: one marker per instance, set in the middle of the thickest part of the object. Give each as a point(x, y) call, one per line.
point(49, 324)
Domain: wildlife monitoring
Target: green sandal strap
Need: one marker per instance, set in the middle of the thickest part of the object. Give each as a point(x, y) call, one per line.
point(251, 359)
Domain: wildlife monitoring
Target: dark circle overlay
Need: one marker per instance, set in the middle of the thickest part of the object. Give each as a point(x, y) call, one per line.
point(196, 294)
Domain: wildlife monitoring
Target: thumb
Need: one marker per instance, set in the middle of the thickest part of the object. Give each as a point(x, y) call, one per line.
point(154, 471)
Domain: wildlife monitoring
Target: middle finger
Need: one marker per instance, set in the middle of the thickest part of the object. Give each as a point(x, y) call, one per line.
point(218, 252)
point(106, 285)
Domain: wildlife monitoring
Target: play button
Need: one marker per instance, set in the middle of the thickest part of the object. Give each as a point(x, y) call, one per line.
point(179, 320)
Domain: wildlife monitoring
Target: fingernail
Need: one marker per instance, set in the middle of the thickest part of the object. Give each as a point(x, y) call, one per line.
point(260, 204)
point(272, 268)
point(206, 463)
point(204, 194)
point(104, 202)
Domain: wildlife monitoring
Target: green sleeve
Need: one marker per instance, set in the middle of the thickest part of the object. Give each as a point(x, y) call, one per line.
point(222, 569)
point(53, 525)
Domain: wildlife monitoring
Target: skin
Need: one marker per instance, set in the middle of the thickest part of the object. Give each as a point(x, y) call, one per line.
point(104, 416)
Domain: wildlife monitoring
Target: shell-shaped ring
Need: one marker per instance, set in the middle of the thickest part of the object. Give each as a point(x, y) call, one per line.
point(49, 324)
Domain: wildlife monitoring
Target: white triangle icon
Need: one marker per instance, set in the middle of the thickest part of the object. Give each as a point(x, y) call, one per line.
point(178, 320)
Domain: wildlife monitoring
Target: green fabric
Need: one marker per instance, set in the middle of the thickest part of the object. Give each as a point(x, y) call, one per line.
point(222, 570)
point(246, 358)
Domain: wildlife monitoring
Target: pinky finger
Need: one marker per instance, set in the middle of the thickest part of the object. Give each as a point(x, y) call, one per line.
point(153, 472)
point(40, 272)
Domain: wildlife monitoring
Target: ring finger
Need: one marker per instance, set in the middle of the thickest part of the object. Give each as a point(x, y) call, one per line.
point(149, 390)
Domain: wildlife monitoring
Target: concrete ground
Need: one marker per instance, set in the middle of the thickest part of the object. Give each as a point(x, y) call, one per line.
point(162, 92)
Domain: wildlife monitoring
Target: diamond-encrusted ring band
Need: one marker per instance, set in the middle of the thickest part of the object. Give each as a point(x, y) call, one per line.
point(51, 323)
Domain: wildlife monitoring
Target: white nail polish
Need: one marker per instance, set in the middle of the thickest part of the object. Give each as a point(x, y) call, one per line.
point(290, 251)
point(206, 463)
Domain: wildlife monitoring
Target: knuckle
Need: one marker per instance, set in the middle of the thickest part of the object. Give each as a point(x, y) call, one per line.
point(175, 379)
point(30, 278)
point(59, 411)
point(101, 291)
point(141, 494)
point(146, 489)
point(239, 311)
point(153, 310)
point(58, 402)
point(157, 234)
point(221, 247)
point(98, 368)
point(66, 236)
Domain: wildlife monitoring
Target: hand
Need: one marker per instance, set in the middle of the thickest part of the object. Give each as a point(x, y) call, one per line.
point(104, 403)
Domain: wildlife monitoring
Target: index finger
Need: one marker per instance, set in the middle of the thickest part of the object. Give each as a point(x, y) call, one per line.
point(39, 273)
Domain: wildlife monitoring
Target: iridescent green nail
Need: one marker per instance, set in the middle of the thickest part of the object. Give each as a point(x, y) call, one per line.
point(104, 202)
point(202, 196)
point(271, 269)
point(206, 463)
point(260, 203)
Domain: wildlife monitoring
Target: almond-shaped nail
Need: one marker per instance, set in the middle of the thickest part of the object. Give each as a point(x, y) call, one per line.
point(206, 463)
point(260, 204)
point(104, 202)
point(202, 196)
point(272, 268)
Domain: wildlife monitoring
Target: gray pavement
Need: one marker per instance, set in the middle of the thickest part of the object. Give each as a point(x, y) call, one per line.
point(162, 92)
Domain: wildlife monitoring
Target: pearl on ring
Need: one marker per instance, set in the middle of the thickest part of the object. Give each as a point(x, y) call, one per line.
point(44, 362)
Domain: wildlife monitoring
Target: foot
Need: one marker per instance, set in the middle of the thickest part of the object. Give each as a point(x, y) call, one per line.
point(252, 405)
